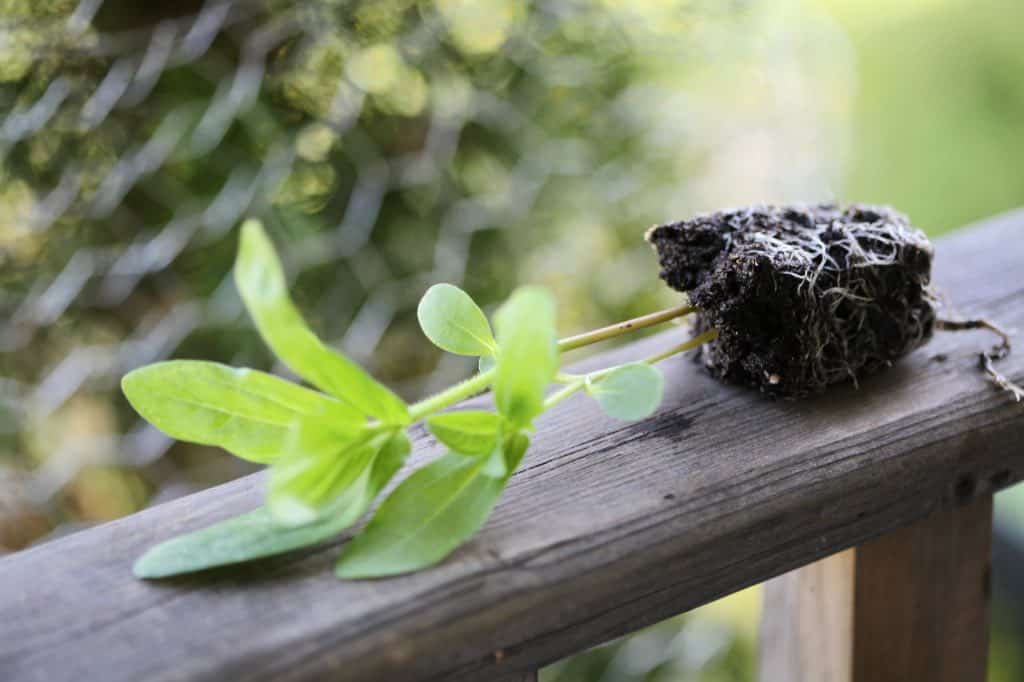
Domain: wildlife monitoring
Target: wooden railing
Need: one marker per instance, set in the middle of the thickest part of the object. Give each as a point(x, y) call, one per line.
point(609, 527)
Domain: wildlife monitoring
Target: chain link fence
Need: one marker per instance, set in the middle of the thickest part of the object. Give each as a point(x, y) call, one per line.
point(387, 145)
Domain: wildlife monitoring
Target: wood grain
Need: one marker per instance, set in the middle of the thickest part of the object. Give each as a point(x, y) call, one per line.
point(910, 605)
point(807, 623)
point(606, 528)
point(922, 599)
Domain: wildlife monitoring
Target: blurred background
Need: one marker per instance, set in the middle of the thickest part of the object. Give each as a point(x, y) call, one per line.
point(391, 144)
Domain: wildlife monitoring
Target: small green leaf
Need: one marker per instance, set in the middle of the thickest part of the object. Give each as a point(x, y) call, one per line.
point(514, 447)
point(486, 362)
point(504, 460)
point(454, 322)
point(431, 513)
point(261, 283)
point(242, 538)
point(471, 432)
point(631, 391)
point(256, 535)
point(248, 413)
point(528, 356)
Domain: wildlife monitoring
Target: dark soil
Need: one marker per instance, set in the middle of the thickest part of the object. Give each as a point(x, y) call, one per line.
point(803, 297)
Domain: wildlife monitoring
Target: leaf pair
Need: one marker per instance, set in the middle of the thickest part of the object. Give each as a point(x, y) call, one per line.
point(309, 484)
point(330, 453)
point(443, 504)
point(259, 534)
point(432, 512)
point(525, 354)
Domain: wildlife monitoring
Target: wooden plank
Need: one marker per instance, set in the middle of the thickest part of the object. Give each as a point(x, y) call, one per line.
point(922, 599)
point(606, 528)
point(519, 677)
point(807, 623)
point(910, 605)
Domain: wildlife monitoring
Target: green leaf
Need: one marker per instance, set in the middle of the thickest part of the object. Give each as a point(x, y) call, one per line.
point(454, 322)
point(514, 447)
point(471, 432)
point(256, 535)
point(504, 460)
point(631, 391)
point(528, 354)
point(261, 283)
point(248, 413)
point(431, 513)
point(242, 538)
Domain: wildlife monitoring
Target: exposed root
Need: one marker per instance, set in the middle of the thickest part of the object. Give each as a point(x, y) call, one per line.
point(987, 359)
point(804, 297)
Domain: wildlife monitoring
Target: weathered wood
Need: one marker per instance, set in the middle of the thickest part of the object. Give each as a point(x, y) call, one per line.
point(807, 623)
point(910, 605)
point(519, 677)
point(922, 599)
point(606, 528)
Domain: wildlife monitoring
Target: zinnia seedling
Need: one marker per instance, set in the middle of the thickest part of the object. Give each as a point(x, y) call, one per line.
point(332, 450)
point(788, 300)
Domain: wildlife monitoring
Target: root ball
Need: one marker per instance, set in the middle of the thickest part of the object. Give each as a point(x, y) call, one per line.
point(803, 297)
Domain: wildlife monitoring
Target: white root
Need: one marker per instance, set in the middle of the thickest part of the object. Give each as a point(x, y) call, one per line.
point(987, 359)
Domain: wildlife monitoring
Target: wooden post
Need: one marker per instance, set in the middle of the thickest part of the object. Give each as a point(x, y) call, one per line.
point(807, 623)
point(910, 605)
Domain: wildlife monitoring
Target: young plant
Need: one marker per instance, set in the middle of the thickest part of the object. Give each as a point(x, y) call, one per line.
point(332, 450)
point(791, 300)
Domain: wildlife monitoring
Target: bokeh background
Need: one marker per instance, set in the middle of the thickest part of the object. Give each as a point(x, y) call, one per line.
point(391, 144)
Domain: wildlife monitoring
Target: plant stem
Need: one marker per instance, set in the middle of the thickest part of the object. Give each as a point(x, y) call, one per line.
point(625, 327)
point(452, 395)
point(563, 393)
point(689, 344)
point(481, 381)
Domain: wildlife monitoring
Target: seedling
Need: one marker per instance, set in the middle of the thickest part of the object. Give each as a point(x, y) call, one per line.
point(787, 300)
point(332, 450)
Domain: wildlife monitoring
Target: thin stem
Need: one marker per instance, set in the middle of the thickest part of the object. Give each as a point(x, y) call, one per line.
point(563, 393)
point(610, 332)
point(689, 344)
point(452, 395)
point(481, 381)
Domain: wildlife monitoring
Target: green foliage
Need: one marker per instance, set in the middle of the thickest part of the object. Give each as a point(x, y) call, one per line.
point(259, 533)
point(528, 354)
point(632, 391)
point(472, 432)
point(505, 460)
point(261, 283)
point(248, 413)
point(311, 479)
point(332, 455)
point(454, 322)
point(430, 514)
point(242, 538)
